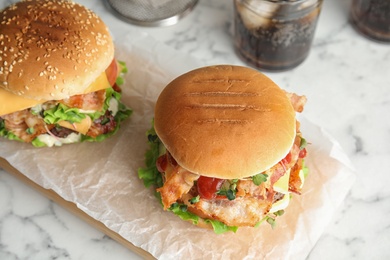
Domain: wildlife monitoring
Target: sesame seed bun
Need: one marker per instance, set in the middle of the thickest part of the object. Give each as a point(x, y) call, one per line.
point(225, 121)
point(51, 49)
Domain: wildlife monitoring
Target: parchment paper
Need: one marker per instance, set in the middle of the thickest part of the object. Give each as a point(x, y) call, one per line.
point(101, 178)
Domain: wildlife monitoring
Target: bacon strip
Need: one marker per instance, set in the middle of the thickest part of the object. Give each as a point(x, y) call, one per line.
point(180, 182)
point(19, 122)
point(90, 101)
point(298, 102)
point(295, 182)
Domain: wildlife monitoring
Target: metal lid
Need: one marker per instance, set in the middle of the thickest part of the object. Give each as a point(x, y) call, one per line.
point(151, 12)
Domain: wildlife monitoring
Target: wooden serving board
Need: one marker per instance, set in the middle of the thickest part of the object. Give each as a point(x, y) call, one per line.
point(70, 206)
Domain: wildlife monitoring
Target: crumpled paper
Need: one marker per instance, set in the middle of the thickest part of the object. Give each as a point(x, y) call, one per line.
point(101, 178)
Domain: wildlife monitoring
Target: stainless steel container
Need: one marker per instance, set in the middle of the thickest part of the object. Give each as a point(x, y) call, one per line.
point(151, 12)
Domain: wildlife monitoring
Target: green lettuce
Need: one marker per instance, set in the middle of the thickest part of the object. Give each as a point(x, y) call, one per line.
point(123, 70)
point(38, 143)
point(305, 169)
point(152, 177)
point(220, 227)
point(62, 112)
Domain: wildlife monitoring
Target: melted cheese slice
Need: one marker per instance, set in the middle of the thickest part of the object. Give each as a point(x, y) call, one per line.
point(81, 127)
point(281, 185)
point(10, 102)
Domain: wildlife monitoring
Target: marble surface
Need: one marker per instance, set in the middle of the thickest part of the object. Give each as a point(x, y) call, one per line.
point(347, 81)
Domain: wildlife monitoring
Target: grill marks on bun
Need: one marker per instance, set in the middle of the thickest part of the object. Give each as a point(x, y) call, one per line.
point(225, 121)
point(51, 49)
point(222, 93)
point(228, 102)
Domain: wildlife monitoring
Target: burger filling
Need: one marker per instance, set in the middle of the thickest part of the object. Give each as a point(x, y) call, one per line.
point(226, 204)
point(88, 117)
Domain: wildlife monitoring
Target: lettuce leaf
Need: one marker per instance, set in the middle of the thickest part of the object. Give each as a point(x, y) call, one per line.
point(123, 70)
point(62, 112)
point(38, 143)
point(152, 177)
point(220, 228)
point(305, 170)
point(181, 211)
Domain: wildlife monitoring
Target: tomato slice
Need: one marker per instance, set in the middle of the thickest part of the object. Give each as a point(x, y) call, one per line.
point(112, 72)
point(208, 187)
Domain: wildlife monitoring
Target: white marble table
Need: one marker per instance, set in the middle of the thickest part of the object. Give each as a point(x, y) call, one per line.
point(347, 81)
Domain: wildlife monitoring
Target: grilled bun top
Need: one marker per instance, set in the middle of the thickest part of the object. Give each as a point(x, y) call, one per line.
point(225, 121)
point(51, 49)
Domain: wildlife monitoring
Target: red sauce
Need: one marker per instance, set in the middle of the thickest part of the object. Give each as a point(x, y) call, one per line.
point(208, 187)
point(302, 153)
point(162, 163)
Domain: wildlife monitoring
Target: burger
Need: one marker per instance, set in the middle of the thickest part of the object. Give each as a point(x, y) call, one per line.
point(59, 80)
point(226, 149)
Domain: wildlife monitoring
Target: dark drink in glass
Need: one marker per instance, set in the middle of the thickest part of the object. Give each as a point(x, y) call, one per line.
point(372, 18)
point(275, 35)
